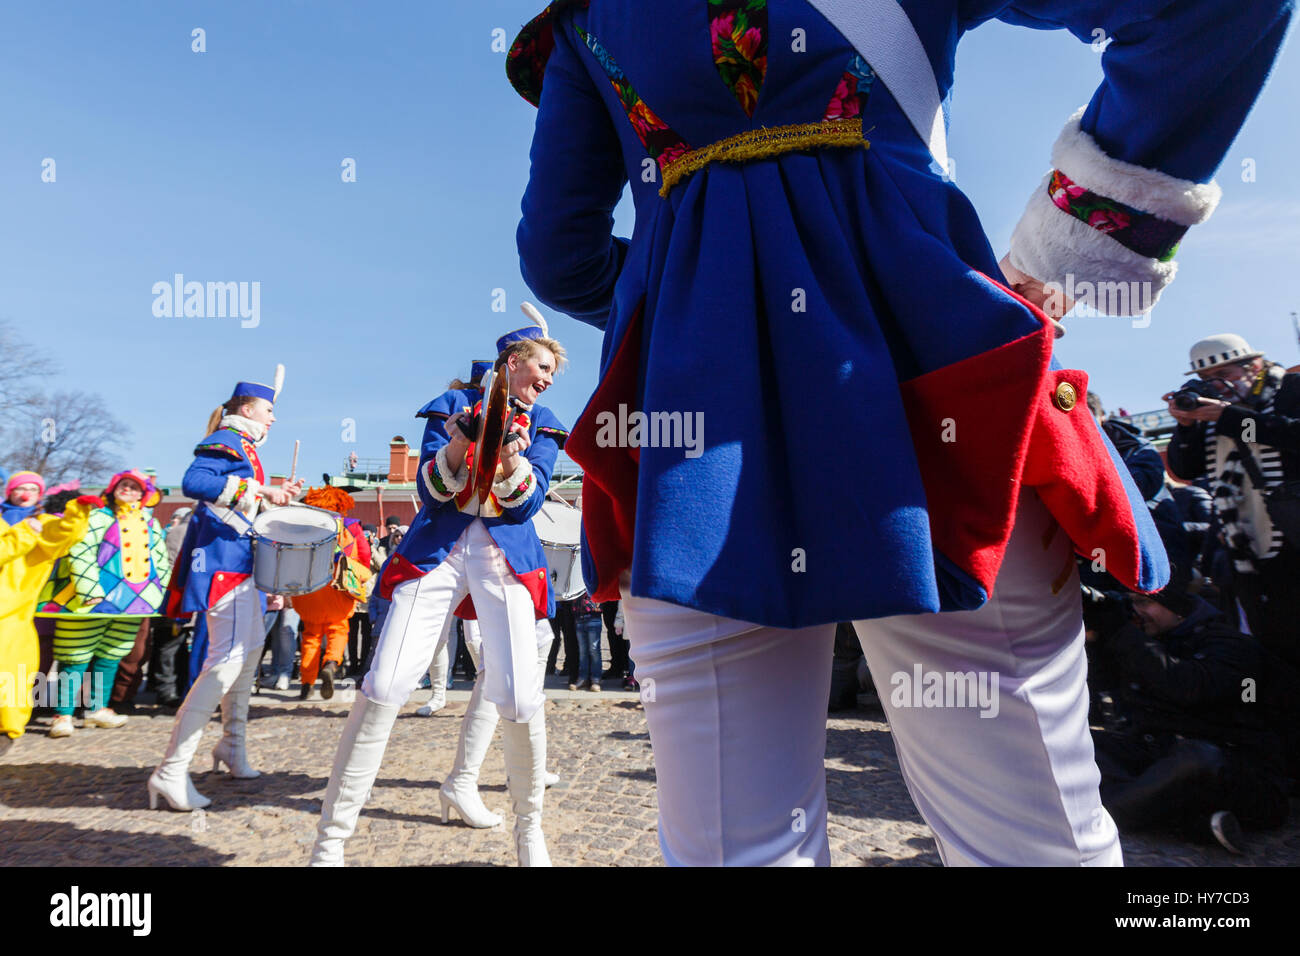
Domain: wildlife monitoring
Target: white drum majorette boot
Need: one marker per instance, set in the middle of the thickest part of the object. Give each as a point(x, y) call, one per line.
point(525, 750)
point(361, 751)
point(171, 781)
point(437, 683)
point(460, 789)
point(232, 749)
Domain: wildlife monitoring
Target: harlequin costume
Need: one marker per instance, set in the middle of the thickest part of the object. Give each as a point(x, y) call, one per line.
point(484, 563)
point(789, 218)
point(112, 579)
point(27, 557)
point(325, 612)
point(213, 576)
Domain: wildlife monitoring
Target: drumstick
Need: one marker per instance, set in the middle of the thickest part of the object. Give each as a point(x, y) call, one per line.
point(415, 502)
point(379, 498)
point(293, 469)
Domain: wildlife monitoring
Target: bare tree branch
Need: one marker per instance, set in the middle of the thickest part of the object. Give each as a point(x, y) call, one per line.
point(67, 435)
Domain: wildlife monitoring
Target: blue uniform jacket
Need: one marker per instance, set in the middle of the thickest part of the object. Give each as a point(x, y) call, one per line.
point(215, 556)
point(874, 399)
point(508, 512)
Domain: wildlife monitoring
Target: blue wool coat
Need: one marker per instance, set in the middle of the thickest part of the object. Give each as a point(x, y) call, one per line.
point(215, 556)
point(441, 522)
point(831, 311)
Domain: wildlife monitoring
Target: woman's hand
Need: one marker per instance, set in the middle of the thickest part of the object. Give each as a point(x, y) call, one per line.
point(510, 453)
point(1052, 301)
point(34, 523)
point(283, 494)
point(457, 443)
point(275, 602)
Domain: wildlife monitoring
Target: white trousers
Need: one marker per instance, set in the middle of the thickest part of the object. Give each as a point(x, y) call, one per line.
point(235, 626)
point(737, 718)
point(421, 617)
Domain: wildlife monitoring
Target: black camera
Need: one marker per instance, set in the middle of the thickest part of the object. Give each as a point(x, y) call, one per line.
point(1189, 395)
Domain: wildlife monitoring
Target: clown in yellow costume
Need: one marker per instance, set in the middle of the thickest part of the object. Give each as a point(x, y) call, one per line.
point(28, 551)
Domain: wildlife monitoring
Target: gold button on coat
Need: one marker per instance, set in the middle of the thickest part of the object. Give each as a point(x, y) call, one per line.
point(1066, 397)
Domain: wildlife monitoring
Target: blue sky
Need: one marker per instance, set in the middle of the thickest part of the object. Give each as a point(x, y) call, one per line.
point(225, 166)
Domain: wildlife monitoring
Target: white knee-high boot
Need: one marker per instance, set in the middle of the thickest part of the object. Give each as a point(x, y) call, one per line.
point(232, 748)
point(171, 781)
point(460, 790)
point(361, 751)
point(437, 682)
point(525, 751)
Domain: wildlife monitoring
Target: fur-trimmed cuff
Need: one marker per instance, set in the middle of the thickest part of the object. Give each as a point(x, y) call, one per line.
point(240, 494)
point(514, 489)
point(1114, 247)
point(439, 481)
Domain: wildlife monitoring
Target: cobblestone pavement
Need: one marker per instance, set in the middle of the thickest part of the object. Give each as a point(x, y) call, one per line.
point(81, 800)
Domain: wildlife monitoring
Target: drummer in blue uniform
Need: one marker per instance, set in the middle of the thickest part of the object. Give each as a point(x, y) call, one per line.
point(480, 560)
point(213, 574)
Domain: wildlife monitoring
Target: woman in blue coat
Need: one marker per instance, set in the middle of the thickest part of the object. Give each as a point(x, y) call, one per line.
point(807, 286)
point(213, 575)
point(479, 560)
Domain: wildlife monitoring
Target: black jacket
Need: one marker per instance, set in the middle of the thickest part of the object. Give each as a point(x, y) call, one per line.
point(1198, 680)
point(1280, 428)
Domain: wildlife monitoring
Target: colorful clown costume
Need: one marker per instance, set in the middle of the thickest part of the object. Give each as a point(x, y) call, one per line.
point(805, 276)
point(27, 557)
point(113, 579)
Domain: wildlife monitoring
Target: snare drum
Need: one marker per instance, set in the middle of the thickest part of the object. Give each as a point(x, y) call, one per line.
point(559, 528)
point(293, 549)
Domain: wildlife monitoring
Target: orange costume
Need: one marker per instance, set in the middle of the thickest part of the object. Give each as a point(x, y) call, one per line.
point(325, 612)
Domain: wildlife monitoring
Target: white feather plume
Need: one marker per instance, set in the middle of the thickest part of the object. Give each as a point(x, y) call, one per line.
point(278, 381)
point(534, 316)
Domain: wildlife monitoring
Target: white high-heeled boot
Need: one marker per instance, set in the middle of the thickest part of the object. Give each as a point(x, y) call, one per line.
point(232, 749)
point(460, 789)
point(525, 751)
point(361, 751)
point(437, 683)
point(171, 781)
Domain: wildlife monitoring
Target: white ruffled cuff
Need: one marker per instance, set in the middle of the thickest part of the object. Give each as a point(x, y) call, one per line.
point(438, 479)
point(514, 489)
point(1054, 246)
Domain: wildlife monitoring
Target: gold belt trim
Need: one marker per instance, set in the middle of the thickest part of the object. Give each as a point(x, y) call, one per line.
point(761, 143)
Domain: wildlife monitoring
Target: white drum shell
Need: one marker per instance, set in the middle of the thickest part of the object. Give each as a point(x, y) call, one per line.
point(559, 528)
point(293, 550)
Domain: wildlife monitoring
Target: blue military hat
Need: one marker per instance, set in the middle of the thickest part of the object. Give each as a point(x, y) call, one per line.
point(535, 330)
point(258, 390)
point(479, 368)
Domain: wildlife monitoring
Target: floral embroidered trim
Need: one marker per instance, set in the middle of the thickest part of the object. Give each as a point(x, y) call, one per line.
point(519, 493)
point(558, 435)
point(241, 489)
point(435, 480)
point(764, 142)
point(526, 61)
point(217, 446)
point(738, 30)
point(850, 97)
point(1146, 234)
point(661, 142)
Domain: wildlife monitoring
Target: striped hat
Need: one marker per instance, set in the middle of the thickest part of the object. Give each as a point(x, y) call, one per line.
point(1222, 349)
point(24, 478)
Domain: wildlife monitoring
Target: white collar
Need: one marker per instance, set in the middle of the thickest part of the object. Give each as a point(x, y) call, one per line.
point(254, 430)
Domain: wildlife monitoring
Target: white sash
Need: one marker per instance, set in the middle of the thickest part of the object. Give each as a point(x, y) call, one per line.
point(884, 36)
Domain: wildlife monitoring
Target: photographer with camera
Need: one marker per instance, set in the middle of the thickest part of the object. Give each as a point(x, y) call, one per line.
point(1239, 425)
